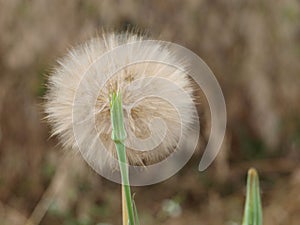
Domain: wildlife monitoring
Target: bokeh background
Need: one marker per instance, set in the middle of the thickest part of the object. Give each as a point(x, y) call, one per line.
point(253, 47)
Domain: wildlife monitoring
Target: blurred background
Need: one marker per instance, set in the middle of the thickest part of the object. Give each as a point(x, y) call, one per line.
point(253, 47)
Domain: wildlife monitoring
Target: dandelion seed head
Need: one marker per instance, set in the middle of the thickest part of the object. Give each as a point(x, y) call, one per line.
point(83, 84)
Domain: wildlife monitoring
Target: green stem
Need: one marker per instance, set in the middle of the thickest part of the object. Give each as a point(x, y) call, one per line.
point(125, 180)
point(119, 136)
point(253, 208)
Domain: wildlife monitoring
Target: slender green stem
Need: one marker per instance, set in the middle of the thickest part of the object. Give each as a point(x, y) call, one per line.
point(253, 208)
point(125, 180)
point(119, 136)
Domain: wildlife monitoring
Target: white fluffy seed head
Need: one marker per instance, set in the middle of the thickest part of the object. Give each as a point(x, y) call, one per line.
point(81, 85)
